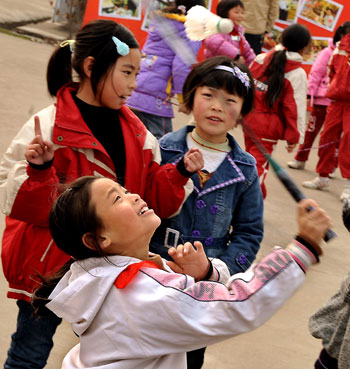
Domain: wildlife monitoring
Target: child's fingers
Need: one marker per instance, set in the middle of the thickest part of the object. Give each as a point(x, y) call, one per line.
point(37, 127)
point(199, 246)
point(174, 267)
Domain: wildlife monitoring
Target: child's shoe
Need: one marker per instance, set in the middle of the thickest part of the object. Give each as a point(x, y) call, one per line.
point(345, 194)
point(296, 164)
point(317, 184)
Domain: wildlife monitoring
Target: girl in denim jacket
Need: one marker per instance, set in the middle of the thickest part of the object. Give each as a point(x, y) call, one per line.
point(225, 210)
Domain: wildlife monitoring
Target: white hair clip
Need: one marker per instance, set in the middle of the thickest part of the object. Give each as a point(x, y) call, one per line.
point(71, 44)
point(122, 47)
point(242, 76)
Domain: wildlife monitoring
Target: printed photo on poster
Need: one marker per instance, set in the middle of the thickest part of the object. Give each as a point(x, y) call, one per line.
point(318, 44)
point(323, 13)
point(271, 39)
point(288, 11)
point(129, 9)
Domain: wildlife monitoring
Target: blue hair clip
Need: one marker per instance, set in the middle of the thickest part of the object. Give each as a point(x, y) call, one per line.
point(122, 47)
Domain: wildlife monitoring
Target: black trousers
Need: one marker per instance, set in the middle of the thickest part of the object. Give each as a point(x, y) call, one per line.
point(195, 358)
point(255, 42)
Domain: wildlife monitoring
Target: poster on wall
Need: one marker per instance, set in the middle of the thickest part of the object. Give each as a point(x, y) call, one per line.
point(271, 39)
point(128, 9)
point(322, 13)
point(288, 11)
point(318, 44)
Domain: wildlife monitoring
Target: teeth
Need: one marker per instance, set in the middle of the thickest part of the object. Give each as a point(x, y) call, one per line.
point(143, 210)
point(216, 119)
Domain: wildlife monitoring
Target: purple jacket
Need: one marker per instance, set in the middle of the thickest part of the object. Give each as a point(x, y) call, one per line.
point(162, 72)
point(229, 45)
point(318, 79)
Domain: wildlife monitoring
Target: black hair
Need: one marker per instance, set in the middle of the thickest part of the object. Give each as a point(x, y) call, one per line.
point(94, 39)
point(71, 216)
point(205, 74)
point(294, 38)
point(341, 31)
point(175, 7)
point(346, 214)
point(224, 6)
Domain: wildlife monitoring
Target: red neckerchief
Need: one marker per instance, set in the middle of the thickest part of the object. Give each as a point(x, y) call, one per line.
point(129, 273)
point(241, 45)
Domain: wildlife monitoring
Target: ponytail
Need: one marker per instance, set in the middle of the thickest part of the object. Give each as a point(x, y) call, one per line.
point(275, 80)
point(59, 69)
point(47, 285)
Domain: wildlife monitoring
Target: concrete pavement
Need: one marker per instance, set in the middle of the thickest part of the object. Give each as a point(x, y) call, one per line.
point(284, 341)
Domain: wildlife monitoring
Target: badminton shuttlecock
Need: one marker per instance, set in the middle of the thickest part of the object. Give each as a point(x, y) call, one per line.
point(202, 23)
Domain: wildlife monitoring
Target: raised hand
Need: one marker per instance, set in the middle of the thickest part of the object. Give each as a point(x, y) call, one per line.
point(189, 260)
point(39, 151)
point(193, 160)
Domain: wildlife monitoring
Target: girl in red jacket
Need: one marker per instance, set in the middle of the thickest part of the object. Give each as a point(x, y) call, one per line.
point(336, 129)
point(280, 106)
point(88, 131)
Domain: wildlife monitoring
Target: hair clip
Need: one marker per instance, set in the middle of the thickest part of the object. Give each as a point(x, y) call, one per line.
point(122, 47)
point(182, 8)
point(71, 44)
point(242, 76)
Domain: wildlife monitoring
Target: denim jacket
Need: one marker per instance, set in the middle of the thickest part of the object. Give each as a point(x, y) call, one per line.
point(226, 215)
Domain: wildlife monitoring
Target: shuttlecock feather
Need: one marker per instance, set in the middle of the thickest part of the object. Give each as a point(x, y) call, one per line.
point(202, 23)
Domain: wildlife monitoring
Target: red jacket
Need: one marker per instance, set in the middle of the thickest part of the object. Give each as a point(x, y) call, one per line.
point(286, 120)
point(26, 194)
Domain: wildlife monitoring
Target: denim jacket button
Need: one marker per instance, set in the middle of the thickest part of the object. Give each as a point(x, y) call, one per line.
point(196, 233)
point(242, 259)
point(209, 241)
point(214, 209)
point(200, 204)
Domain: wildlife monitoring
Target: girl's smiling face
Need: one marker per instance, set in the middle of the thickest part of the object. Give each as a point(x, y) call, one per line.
point(236, 14)
point(215, 112)
point(120, 82)
point(128, 224)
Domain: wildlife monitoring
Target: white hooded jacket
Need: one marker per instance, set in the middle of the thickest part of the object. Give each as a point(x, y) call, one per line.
point(160, 315)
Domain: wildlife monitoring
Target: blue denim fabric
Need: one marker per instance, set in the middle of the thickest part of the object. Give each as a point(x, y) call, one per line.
point(158, 126)
point(32, 342)
point(226, 215)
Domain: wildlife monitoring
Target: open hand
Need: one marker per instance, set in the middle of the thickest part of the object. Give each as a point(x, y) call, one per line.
point(189, 260)
point(193, 160)
point(39, 151)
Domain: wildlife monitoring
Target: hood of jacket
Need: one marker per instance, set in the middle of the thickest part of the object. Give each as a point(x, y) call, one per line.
point(79, 295)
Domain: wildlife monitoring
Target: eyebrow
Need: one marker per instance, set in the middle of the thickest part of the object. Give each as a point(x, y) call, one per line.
point(111, 192)
point(128, 66)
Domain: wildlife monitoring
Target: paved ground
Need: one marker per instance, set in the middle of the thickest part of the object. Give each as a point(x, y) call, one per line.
point(284, 341)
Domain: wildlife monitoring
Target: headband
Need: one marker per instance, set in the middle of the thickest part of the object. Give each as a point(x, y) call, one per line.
point(122, 47)
point(243, 77)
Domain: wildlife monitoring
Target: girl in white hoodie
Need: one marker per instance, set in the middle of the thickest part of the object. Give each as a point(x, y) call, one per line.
point(130, 309)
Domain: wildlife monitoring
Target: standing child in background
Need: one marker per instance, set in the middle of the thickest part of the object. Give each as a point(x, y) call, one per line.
point(336, 130)
point(163, 71)
point(225, 210)
point(89, 130)
point(331, 323)
point(279, 111)
point(233, 44)
point(127, 307)
point(317, 88)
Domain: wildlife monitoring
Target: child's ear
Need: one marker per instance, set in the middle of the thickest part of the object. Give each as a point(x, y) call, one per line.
point(89, 241)
point(87, 65)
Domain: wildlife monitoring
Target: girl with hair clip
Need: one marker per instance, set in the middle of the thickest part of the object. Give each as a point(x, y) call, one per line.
point(89, 130)
point(163, 69)
point(336, 130)
point(129, 309)
point(233, 44)
point(317, 89)
point(225, 210)
point(280, 105)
